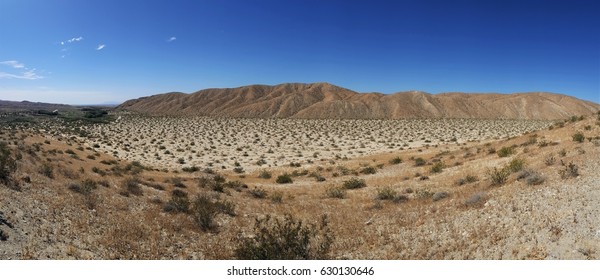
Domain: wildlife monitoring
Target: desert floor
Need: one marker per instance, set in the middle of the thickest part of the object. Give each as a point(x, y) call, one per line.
point(433, 189)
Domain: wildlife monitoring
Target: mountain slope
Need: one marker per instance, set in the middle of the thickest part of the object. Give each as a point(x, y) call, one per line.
point(323, 100)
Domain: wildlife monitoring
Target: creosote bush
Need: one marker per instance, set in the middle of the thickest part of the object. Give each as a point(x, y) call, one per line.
point(386, 193)
point(396, 160)
point(204, 210)
point(284, 178)
point(437, 167)
point(354, 183)
point(506, 151)
point(285, 239)
point(420, 162)
point(264, 174)
point(578, 137)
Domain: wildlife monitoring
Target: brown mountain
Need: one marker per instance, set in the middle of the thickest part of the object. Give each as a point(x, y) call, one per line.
point(323, 100)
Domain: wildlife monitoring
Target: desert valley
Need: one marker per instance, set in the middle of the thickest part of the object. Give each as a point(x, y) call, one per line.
point(302, 171)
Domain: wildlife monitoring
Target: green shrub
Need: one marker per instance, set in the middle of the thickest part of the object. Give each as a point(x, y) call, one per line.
point(368, 170)
point(498, 176)
point(354, 183)
point(420, 161)
point(286, 239)
point(437, 167)
point(284, 178)
point(506, 151)
point(515, 165)
point(396, 160)
point(386, 193)
point(179, 203)
point(264, 174)
point(578, 137)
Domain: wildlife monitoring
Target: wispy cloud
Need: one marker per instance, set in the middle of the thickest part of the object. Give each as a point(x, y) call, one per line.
point(100, 47)
point(13, 64)
point(171, 39)
point(27, 75)
point(23, 72)
point(74, 39)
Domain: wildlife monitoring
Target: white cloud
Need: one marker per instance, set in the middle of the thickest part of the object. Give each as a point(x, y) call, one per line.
point(27, 75)
point(100, 47)
point(75, 39)
point(171, 39)
point(13, 64)
point(24, 72)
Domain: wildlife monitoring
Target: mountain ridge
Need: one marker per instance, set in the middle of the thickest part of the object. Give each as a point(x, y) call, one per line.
point(328, 101)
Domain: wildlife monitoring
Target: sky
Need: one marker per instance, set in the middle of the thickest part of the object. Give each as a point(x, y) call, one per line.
point(101, 52)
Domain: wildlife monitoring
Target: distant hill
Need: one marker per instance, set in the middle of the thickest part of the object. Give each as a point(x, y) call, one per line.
point(32, 106)
point(323, 100)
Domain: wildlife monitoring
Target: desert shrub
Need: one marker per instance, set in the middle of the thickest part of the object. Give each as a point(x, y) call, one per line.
point(400, 198)
point(439, 196)
point(498, 176)
point(535, 179)
point(8, 164)
point(258, 193)
point(277, 197)
point(420, 161)
point(178, 182)
point(423, 194)
point(562, 152)
point(132, 186)
point(47, 170)
point(476, 199)
point(239, 170)
point(571, 170)
point(204, 210)
point(515, 165)
point(578, 137)
point(284, 178)
point(85, 187)
point(550, 160)
point(467, 180)
point(179, 202)
point(264, 174)
point(191, 169)
point(386, 193)
point(285, 239)
point(335, 192)
point(531, 140)
point(437, 167)
point(354, 183)
point(368, 170)
point(396, 160)
point(506, 151)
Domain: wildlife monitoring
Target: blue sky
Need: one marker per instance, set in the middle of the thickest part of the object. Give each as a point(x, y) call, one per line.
point(84, 52)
